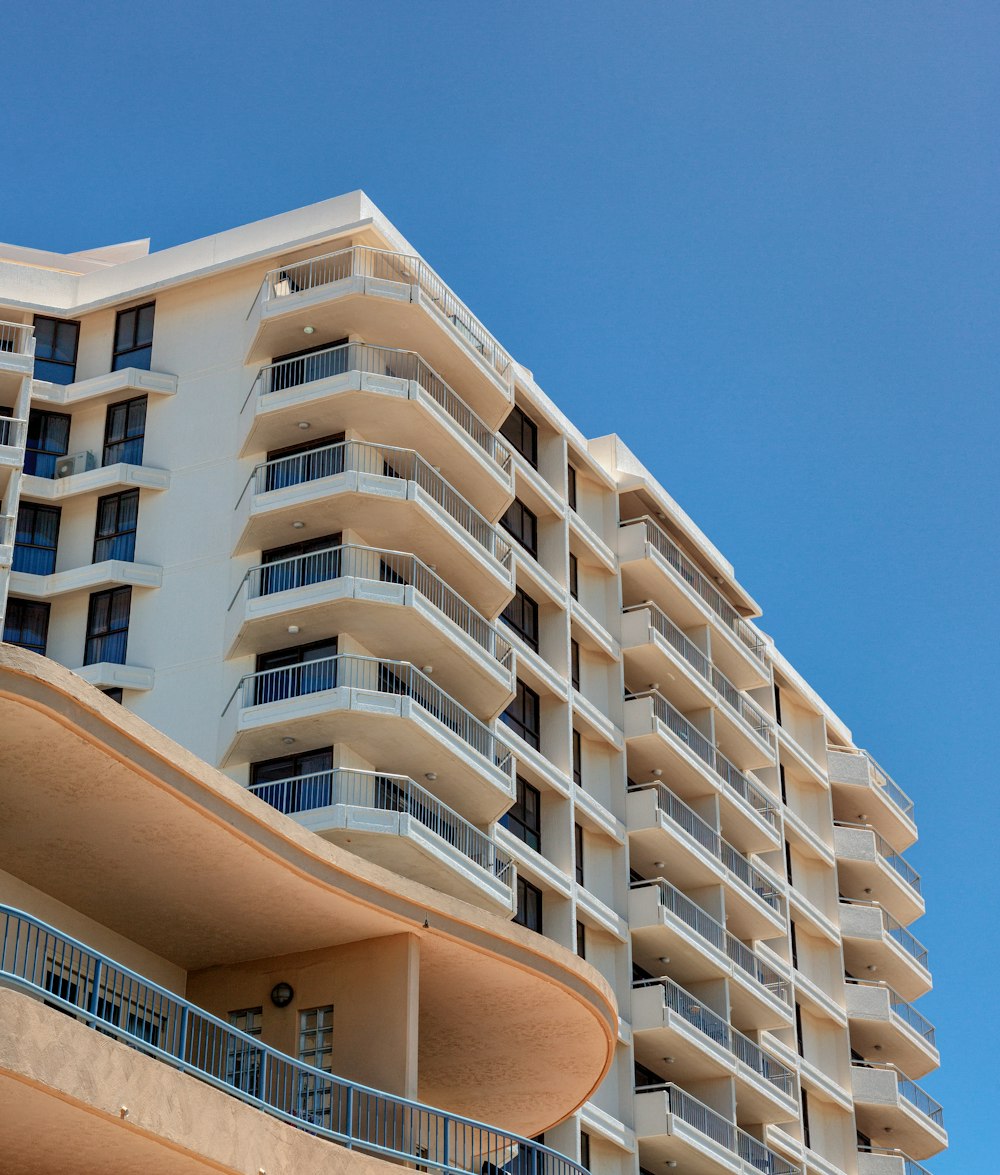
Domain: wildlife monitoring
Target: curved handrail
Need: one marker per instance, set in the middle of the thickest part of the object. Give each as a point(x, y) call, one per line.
point(67, 974)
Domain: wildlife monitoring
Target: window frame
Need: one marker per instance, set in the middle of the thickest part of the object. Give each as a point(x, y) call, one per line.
point(44, 417)
point(43, 608)
point(518, 720)
point(518, 817)
point(127, 442)
point(118, 533)
point(523, 604)
point(577, 766)
point(522, 917)
point(571, 498)
point(48, 359)
point(99, 639)
point(578, 853)
point(37, 509)
point(144, 350)
point(574, 663)
point(525, 428)
point(574, 577)
point(513, 521)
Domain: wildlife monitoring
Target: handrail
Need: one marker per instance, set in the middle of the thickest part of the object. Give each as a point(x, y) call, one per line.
point(388, 461)
point(400, 269)
point(908, 1089)
point(12, 431)
point(351, 671)
point(900, 1007)
point(718, 936)
point(720, 1130)
point(349, 560)
point(17, 338)
point(381, 361)
point(751, 714)
point(910, 1166)
point(896, 931)
point(49, 965)
point(881, 778)
point(888, 854)
point(718, 1029)
point(700, 830)
point(696, 579)
point(386, 793)
point(750, 792)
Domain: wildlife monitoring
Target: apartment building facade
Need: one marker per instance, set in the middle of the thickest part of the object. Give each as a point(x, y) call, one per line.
point(286, 499)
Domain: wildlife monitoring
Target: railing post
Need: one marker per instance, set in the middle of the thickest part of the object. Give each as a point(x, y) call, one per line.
point(94, 996)
point(349, 1131)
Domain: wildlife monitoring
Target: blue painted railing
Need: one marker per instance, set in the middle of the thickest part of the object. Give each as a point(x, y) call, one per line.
point(66, 974)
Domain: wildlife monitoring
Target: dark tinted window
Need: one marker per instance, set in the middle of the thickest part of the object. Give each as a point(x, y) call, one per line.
point(56, 342)
point(574, 577)
point(529, 905)
point(523, 715)
point(524, 819)
point(36, 539)
point(26, 624)
point(577, 759)
point(295, 783)
point(107, 626)
point(521, 614)
point(48, 440)
point(522, 524)
point(578, 852)
point(125, 432)
point(574, 663)
point(133, 337)
point(522, 433)
point(117, 518)
point(571, 486)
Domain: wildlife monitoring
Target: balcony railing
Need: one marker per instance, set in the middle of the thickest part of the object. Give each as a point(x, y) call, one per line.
point(377, 566)
point(382, 265)
point(910, 1166)
point(381, 361)
point(12, 431)
point(692, 1010)
point(721, 1131)
point(749, 792)
point(701, 585)
point(899, 1007)
point(386, 793)
point(17, 338)
point(715, 933)
point(909, 1091)
point(896, 931)
point(888, 854)
point(701, 831)
point(754, 717)
point(380, 461)
point(349, 671)
point(51, 966)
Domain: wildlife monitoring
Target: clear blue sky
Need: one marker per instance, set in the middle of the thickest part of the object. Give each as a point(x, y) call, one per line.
point(758, 239)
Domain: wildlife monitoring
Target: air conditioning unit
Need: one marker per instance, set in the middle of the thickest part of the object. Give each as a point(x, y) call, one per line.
point(75, 463)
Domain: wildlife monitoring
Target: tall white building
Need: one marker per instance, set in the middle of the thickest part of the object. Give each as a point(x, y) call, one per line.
point(281, 494)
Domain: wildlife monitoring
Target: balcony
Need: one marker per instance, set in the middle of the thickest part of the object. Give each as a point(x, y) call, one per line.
point(391, 602)
point(667, 1020)
point(102, 996)
point(654, 568)
point(668, 837)
point(885, 1101)
point(674, 1127)
point(390, 712)
point(392, 497)
point(94, 480)
point(666, 924)
point(863, 791)
point(876, 943)
point(657, 650)
point(386, 392)
point(13, 431)
point(876, 1160)
point(395, 822)
point(389, 299)
point(17, 354)
point(661, 741)
point(102, 389)
point(883, 1022)
point(91, 577)
point(8, 529)
point(867, 864)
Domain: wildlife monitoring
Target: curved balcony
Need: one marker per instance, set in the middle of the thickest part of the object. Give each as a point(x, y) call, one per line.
point(387, 495)
point(867, 865)
point(883, 1022)
point(879, 945)
point(665, 923)
point(667, 1020)
point(391, 602)
point(393, 821)
point(390, 299)
point(880, 1160)
point(661, 741)
point(674, 1127)
point(863, 791)
point(389, 712)
point(887, 1101)
point(17, 354)
point(382, 391)
point(669, 838)
point(102, 995)
point(655, 649)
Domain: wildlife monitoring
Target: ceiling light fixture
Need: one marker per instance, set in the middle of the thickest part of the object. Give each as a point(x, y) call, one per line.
point(308, 330)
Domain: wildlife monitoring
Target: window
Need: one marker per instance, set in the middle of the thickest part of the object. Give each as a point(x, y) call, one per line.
point(115, 693)
point(784, 785)
point(316, 1049)
point(520, 523)
point(294, 464)
point(578, 852)
point(571, 486)
point(295, 783)
point(522, 432)
point(114, 534)
point(806, 1138)
point(523, 715)
point(577, 759)
point(574, 577)
point(788, 863)
point(524, 819)
point(529, 905)
point(47, 441)
point(313, 363)
point(133, 337)
point(26, 624)
point(56, 342)
point(521, 614)
point(574, 663)
point(290, 673)
point(795, 945)
point(125, 432)
point(36, 539)
point(313, 561)
point(243, 1058)
point(799, 1037)
point(584, 1144)
point(581, 940)
point(107, 626)
point(777, 704)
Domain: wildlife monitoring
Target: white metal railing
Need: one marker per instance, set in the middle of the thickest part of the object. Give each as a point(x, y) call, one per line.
point(12, 431)
point(352, 672)
point(737, 701)
point(720, 1130)
point(910, 1166)
point(387, 793)
point(888, 854)
point(700, 584)
point(881, 779)
point(17, 338)
point(703, 924)
point(700, 830)
point(400, 269)
point(360, 457)
point(378, 566)
point(896, 931)
point(381, 361)
point(899, 1007)
point(748, 790)
point(908, 1090)
point(691, 1009)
